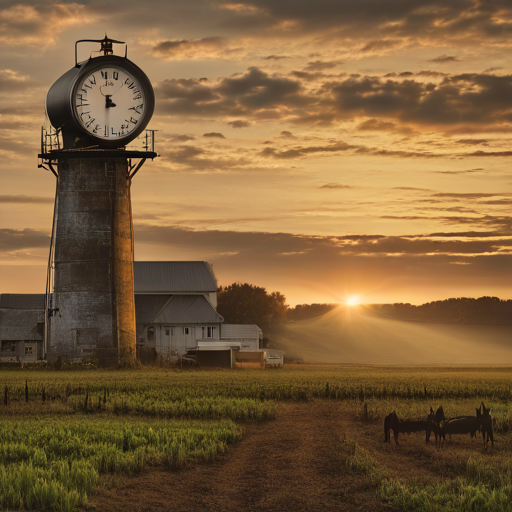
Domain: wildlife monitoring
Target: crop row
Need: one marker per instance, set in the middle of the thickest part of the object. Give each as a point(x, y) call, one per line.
point(288, 384)
point(55, 464)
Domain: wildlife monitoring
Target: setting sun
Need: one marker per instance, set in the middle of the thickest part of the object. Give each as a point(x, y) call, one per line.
point(353, 300)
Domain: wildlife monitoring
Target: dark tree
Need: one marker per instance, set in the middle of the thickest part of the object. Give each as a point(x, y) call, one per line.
point(249, 304)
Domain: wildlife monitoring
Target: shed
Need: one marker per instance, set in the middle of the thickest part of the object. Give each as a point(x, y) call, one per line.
point(21, 327)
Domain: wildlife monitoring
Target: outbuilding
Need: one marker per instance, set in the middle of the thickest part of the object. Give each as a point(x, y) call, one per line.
point(21, 327)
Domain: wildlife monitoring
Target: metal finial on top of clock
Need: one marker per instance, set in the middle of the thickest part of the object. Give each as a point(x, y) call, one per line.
point(106, 46)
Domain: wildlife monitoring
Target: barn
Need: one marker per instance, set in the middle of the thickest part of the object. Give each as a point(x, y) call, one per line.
point(175, 311)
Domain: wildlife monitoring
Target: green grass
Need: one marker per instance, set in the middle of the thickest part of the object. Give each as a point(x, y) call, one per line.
point(53, 452)
point(55, 463)
point(482, 486)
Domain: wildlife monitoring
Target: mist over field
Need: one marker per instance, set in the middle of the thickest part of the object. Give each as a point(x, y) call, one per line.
point(355, 335)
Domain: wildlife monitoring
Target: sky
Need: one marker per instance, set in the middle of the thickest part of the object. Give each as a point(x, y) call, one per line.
point(323, 149)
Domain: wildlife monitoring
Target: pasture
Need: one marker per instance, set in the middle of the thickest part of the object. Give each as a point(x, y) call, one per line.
point(82, 438)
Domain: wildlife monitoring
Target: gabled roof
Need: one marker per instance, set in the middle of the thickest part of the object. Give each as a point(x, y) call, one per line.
point(22, 301)
point(188, 309)
point(173, 277)
point(147, 307)
point(177, 309)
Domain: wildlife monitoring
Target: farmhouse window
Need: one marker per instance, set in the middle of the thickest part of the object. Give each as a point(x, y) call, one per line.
point(28, 351)
point(8, 346)
point(151, 334)
point(209, 331)
point(186, 330)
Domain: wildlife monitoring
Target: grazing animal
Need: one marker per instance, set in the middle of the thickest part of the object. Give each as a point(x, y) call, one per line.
point(440, 415)
point(391, 422)
point(486, 423)
point(462, 425)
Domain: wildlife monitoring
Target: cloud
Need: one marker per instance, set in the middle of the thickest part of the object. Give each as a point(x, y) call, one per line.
point(468, 195)
point(414, 21)
point(376, 125)
point(391, 104)
point(332, 265)
point(443, 59)
point(254, 94)
point(377, 45)
point(208, 47)
point(276, 57)
point(214, 135)
point(192, 158)
point(490, 153)
point(300, 151)
point(413, 188)
point(22, 24)
point(13, 81)
point(458, 99)
point(176, 137)
point(21, 199)
point(334, 186)
point(472, 141)
point(15, 240)
point(273, 244)
point(319, 65)
point(239, 123)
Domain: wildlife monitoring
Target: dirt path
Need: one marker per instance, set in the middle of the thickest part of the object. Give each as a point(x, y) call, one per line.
point(290, 464)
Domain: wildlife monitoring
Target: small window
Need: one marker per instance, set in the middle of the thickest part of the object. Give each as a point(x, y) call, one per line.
point(209, 332)
point(167, 332)
point(186, 330)
point(151, 334)
point(8, 346)
point(29, 351)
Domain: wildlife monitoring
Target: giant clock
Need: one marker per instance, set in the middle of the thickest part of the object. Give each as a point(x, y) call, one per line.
point(104, 102)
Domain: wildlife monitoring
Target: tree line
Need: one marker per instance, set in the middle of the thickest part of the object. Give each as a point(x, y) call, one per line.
point(484, 310)
point(243, 303)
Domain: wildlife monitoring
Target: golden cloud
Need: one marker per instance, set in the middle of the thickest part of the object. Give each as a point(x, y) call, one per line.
point(33, 26)
point(206, 48)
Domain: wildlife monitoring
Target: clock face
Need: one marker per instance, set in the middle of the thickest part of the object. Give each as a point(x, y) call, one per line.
point(109, 103)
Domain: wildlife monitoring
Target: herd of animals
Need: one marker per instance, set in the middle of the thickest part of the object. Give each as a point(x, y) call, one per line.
point(440, 425)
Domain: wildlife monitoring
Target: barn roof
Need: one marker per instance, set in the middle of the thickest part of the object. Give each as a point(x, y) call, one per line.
point(177, 309)
point(22, 301)
point(188, 309)
point(173, 277)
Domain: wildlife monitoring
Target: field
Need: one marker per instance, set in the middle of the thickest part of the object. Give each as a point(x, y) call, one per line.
point(232, 440)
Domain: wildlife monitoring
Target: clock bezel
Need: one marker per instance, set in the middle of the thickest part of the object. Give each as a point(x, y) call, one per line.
point(95, 64)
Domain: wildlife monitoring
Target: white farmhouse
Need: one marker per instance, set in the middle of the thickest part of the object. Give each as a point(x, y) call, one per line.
point(175, 311)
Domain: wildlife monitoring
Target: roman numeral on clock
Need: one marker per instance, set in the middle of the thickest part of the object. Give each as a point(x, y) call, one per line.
point(138, 108)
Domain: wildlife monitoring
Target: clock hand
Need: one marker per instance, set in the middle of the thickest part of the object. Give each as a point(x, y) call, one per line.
point(109, 88)
point(109, 102)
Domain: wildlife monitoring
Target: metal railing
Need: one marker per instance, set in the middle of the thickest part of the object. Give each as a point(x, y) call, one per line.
point(51, 140)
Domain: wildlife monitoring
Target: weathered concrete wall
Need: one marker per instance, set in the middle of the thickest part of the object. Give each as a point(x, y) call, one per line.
point(93, 287)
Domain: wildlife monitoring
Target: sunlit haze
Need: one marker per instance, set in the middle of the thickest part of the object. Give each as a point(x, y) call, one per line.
point(357, 336)
point(311, 148)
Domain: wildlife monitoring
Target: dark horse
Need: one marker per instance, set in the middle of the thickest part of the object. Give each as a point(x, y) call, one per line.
point(486, 423)
point(392, 422)
point(462, 425)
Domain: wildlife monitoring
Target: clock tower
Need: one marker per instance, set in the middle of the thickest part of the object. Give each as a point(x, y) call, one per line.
point(96, 109)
